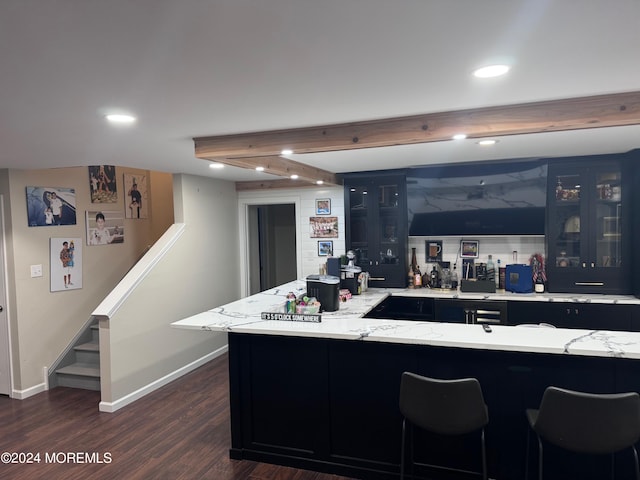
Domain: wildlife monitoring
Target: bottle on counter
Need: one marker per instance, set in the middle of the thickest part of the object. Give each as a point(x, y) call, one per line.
point(417, 281)
point(491, 269)
point(434, 280)
point(454, 278)
point(410, 277)
point(446, 278)
point(538, 286)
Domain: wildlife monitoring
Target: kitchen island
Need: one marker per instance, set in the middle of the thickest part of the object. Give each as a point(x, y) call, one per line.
point(324, 396)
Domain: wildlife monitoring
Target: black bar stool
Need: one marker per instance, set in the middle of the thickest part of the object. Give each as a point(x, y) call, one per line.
point(586, 423)
point(445, 407)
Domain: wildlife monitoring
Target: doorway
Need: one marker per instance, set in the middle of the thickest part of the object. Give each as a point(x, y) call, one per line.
point(271, 245)
point(5, 362)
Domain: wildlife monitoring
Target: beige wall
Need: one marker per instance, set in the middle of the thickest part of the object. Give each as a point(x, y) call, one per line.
point(42, 322)
point(140, 351)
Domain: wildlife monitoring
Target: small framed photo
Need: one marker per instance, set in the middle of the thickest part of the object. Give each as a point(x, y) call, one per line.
point(469, 248)
point(323, 206)
point(325, 248)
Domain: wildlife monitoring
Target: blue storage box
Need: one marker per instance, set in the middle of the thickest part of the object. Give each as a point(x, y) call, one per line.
point(519, 278)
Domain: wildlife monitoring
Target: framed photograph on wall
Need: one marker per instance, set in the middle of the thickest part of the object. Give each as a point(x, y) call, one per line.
point(323, 206)
point(469, 248)
point(102, 184)
point(104, 228)
point(65, 263)
point(135, 204)
point(325, 248)
point(323, 227)
point(51, 206)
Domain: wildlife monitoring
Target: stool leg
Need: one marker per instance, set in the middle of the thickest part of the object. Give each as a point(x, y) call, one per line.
point(635, 460)
point(484, 456)
point(526, 458)
point(404, 431)
point(539, 458)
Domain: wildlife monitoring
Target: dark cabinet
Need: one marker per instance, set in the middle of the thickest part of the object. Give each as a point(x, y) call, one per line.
point(634, 160)
point(404, 308)
point(376, 226)
point(588, 226)
point(589, 316)
point(471, 311)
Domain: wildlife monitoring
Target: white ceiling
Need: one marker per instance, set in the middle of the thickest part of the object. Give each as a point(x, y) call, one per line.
point(192, 68)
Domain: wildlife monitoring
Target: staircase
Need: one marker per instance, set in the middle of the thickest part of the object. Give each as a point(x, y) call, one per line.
point(80, 366)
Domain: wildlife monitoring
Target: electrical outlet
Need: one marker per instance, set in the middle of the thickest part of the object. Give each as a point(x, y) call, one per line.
point(36, 271)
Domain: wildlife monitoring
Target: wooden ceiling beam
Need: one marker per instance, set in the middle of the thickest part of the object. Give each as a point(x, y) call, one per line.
point(272, 184)
point(282, 167)
point(549, 116)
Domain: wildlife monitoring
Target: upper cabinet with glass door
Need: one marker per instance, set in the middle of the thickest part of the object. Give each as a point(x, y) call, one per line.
point(586, 227)
point(376, 226)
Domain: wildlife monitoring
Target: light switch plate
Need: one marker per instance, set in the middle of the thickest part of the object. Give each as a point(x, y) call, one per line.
point(36, 271)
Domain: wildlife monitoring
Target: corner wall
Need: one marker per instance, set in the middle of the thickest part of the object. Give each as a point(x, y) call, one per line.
point(199, 272)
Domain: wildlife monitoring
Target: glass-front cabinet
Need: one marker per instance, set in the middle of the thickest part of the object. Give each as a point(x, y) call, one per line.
point(587, 227)
point(376, 224)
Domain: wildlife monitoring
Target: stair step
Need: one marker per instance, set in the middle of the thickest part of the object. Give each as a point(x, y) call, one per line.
point(88, 347)
point(80, 369)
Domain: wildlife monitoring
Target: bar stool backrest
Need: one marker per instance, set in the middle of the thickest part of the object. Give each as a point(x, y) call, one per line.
point(587, 422)
point(448, 407)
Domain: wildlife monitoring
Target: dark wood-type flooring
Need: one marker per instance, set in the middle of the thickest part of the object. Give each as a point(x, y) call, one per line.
point(180, 431)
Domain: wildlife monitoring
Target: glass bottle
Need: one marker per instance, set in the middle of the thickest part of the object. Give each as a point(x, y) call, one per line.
point(491, 269)
point(417, 281)
point(454, 278)
point(434, 281)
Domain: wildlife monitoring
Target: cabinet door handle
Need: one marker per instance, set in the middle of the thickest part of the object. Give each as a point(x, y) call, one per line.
point(568, 311)
point(590, 284)
point(377, 279)
point(593, 264)
point(584, 264)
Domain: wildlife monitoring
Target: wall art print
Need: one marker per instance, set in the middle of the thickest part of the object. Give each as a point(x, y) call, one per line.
point(102, 183)
point(136, 204)
point(51, 206)
point(65, 263)
point(104, 227)
point(323, 227)
point(323, 206)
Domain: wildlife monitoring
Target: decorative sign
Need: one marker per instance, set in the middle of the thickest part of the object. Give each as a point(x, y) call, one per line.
point(292, 317)
point(323, 227)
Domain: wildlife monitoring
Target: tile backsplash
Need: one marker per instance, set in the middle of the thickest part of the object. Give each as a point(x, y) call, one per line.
point(507, 249)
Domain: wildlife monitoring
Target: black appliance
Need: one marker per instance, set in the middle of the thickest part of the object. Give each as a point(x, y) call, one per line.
point(326, 289)
point(349, 278)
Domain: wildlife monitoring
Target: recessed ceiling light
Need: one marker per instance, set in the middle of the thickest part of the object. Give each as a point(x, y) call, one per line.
point(491, 71)
point(120, 119)
point(286, 151)
point(216, 165)
point(487, 142)
point(459, 136)
point(260, 169)
point(294, 177)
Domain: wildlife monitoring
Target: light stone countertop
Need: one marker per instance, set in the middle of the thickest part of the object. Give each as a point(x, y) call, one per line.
point(244, 316)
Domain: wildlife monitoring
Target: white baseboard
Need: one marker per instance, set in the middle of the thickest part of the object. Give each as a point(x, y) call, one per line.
point(111, 407)
point(29, 392)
